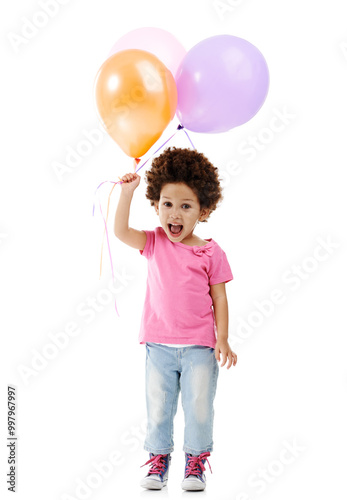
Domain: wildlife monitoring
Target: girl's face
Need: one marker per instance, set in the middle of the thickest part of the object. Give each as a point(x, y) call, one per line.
point(179, 211)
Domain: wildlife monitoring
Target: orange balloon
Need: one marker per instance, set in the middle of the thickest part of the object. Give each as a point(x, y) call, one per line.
point(136, 98)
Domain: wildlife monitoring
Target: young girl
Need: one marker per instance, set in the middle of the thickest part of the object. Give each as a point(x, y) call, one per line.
point(184, 335)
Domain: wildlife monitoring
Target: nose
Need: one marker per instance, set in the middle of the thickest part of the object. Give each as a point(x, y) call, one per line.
point(174, 213)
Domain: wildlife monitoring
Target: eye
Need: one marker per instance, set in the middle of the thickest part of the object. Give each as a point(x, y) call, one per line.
point(167, 204)
point(186, 205)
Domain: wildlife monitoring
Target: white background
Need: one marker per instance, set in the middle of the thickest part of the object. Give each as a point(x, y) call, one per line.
point(288, 389)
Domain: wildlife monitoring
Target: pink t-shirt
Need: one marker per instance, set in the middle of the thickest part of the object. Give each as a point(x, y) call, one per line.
point(178, 304)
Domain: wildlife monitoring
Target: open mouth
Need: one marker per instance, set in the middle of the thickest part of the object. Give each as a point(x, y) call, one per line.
point(175, 229)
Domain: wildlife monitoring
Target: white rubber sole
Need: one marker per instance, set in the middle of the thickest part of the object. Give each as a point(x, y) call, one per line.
point(193, 485)
point(152, 484)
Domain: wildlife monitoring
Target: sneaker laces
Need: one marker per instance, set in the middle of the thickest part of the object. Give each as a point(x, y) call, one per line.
point(158, 464)
point(195, 465)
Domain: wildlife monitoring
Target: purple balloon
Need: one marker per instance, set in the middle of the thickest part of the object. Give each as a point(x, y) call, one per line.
point(222, 82)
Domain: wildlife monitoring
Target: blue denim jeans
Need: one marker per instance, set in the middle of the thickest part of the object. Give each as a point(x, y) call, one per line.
point(193, 370)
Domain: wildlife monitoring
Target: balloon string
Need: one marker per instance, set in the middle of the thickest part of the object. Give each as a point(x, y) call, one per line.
point(169, 139)
point(180, 127)
point(108, 242)
point(96, 192)
point(184, 130)
point(105, 231)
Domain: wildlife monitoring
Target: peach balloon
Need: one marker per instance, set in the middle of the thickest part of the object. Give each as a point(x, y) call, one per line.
point(157, 41)
point(136, 98)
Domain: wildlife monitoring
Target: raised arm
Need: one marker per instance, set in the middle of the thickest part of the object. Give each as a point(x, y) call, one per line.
point(130, 236)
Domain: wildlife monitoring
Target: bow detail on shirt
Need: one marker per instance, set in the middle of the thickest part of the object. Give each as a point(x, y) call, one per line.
point(206, 249)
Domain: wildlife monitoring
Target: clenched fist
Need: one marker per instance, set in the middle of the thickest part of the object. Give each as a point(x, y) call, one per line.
point(130, 181)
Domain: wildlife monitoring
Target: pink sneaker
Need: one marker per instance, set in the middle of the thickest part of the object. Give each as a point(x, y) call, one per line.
point(158, 474)
point(194, 477)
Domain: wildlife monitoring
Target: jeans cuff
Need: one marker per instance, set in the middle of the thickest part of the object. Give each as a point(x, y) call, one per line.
point(163, 451)
point(197, 452)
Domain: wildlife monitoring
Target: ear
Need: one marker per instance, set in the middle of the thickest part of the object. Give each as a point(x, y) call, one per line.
point(204, 214)
point(156, 206)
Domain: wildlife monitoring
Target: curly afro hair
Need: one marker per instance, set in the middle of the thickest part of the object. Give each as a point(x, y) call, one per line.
point(188, 166)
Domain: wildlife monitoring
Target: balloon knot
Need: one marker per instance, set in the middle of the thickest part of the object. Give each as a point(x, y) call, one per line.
point(180, 127)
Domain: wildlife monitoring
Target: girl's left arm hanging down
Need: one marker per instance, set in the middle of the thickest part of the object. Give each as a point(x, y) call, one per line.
point(220, 307)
